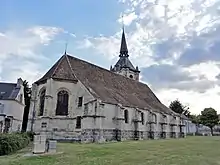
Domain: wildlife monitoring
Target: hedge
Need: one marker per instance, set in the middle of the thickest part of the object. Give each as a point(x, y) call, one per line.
point(12, 142)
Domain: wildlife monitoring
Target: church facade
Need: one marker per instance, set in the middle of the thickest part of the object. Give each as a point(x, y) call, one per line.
point(79, 101)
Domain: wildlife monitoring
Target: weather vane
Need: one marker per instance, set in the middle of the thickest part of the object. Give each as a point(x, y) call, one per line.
point(122, 20)
point(66, 44)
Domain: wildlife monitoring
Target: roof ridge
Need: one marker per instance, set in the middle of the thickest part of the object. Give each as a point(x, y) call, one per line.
point(57, 65)
point(8, 83)
point(74, 76)
point(103, 68)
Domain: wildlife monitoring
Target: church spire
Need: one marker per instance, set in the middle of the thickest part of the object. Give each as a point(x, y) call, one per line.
point(124, 49)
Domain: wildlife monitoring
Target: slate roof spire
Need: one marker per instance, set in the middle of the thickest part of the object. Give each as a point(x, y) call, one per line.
point(124, 48)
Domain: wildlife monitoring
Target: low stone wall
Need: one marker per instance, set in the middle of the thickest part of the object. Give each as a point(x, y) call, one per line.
point(102, 135)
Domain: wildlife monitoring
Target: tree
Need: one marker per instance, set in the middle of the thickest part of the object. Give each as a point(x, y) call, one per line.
point(178, 107)
point(209, 117)
point(27, 100)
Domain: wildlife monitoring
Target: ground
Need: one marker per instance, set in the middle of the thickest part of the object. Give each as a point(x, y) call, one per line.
point(191, 150)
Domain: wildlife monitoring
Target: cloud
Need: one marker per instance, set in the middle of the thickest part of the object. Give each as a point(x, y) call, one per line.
point(166, 76)
point(175, 43)
point(202, 48)
point(127, 19)
point(20, 52)
point(196, 101)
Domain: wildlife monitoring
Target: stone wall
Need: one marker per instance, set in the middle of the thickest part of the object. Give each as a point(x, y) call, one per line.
point(100, 121)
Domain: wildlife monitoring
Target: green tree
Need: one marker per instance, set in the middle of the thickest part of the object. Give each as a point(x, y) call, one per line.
point(178, 107)
point(27, 100)
point(209, 117)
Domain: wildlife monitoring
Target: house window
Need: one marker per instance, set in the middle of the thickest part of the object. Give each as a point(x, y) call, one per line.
point(80, 101)
point(126, 116)
point(142, 118)
point(42, 100)
point(78, 122)
point(62, 103)
point(43, 125)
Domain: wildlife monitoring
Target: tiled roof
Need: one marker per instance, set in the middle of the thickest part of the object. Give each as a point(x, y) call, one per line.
point(60, 70)
point(106, 85)
point(8, 91)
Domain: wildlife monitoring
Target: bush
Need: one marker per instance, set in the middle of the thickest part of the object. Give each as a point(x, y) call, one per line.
point(31, 135)
point(10, 143)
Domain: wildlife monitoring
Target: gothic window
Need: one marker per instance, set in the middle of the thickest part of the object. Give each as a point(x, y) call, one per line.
point(126, 116)
point(42, 100)
point(78, 122)
point(142, 118)
point(80, 101)
point(62, 103)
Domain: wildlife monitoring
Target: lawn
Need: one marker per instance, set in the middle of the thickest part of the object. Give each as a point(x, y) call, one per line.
point(188, 151)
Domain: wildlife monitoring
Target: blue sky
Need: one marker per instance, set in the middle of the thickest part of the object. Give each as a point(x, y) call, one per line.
point(81, 17)
point(174, 43)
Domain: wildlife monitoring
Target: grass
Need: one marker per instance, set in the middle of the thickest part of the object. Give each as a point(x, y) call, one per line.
point(188, 151)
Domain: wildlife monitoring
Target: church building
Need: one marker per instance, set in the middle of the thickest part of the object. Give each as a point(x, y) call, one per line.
point(79, 101)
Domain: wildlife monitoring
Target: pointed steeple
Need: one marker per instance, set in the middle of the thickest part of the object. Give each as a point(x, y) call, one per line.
point(124, 49)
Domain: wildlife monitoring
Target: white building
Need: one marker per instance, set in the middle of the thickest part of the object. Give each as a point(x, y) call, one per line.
point(77, 100)
point(11, 106)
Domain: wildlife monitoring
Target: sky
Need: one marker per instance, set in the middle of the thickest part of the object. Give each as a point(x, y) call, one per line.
point(174, 43)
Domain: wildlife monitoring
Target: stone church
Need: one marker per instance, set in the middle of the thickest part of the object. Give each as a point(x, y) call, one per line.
point(79, 101)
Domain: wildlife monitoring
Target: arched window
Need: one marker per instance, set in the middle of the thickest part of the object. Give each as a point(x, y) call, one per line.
point(42, 100)
point(126, 116)
point(62, 103)
point(142, 118)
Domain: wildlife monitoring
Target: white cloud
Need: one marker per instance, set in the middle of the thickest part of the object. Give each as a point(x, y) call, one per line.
point(19, 52)
point(196, 101)
point(152, 22)
point(208, 70)
point(127, 18)
point(45, 34)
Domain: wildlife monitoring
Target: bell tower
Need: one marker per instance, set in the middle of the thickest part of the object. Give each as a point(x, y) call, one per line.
point(124, 66)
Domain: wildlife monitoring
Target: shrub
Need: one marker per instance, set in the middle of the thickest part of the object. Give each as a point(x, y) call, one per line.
point(10, 143)
point(31, 135)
